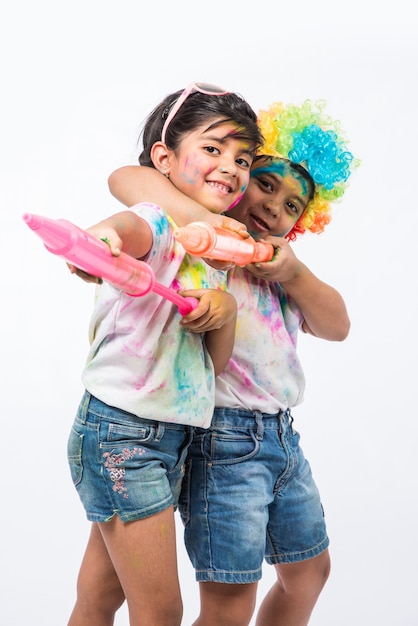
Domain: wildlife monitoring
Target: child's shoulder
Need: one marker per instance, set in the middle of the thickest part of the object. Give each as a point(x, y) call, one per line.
point(157, 218)
point(165, 249)
point(151, 213)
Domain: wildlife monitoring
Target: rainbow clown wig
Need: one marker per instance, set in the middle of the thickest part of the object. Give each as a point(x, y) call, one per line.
point(306, 136)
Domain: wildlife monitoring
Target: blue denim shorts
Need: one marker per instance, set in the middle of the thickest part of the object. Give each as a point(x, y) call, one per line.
point(124, 465)
point(248, 495)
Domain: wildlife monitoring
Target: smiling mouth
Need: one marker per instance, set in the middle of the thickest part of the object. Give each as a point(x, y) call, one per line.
point(262, 225)
point(226, 189)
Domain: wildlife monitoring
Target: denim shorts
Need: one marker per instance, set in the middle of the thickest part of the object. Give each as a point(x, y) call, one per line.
point(125, 465)
point(248, 495)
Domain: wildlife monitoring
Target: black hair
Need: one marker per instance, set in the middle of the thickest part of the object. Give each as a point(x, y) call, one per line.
point(197, 109)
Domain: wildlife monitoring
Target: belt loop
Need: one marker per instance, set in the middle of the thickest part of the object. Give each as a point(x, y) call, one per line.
point(84, 407)
point(285, 420)
point(260, 425)
point(160, 432)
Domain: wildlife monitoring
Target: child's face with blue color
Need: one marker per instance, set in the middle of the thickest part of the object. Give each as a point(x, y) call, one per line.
point(276, 197)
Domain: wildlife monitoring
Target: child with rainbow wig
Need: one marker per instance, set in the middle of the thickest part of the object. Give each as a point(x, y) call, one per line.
point(306, 136)
point(248, 492)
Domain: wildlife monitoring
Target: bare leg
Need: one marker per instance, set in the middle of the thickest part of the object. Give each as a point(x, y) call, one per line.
point(99, 593)
point(226, 605)
point(292, 598)
point(145, 559)
point(142, 556)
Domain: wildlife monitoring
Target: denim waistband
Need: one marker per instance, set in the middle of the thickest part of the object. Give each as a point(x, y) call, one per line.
point(91, 404)
point(243, 418)
point(93, 410)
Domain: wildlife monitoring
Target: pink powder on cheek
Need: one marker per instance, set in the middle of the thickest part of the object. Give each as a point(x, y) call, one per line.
point(191, 170)
point(238, 199)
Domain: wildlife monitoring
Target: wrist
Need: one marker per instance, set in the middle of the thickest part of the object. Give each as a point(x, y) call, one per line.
point(296, 275)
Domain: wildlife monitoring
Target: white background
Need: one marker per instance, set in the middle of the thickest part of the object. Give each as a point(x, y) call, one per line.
point(78, 78)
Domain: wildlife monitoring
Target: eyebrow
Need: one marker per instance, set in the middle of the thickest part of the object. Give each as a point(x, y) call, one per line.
point(231, 135)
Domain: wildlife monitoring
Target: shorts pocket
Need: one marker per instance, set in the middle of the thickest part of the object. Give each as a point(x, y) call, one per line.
point(74, 452)
point(232, 447)
point(125, 432)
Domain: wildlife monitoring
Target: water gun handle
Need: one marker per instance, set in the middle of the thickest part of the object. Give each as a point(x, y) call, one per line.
point(205, 240)
point(78, 247)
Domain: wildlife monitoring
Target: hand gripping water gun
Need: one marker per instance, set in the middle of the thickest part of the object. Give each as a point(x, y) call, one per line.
point(93, 256)
point(204, 240)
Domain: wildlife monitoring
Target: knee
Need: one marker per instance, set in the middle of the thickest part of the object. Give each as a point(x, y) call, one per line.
point(324, 569)
point(299, 579)
point(100, 604)
point(226, 604)
point(172, 614)
point(318, 571)
point(88, 611)
point(173, 617)
point(112, 602)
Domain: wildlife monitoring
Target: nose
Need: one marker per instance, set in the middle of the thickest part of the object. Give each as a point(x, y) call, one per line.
point(273, 208)
point(230, 167)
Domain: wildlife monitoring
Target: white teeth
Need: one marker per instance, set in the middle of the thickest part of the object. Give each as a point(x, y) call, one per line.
point(219, 186)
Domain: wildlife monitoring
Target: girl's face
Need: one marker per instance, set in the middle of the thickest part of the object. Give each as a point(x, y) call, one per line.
point(211, 166)
point(275, 199)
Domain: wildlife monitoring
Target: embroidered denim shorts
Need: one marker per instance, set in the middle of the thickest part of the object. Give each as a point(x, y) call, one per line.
point(124, 465)
point(248, 495)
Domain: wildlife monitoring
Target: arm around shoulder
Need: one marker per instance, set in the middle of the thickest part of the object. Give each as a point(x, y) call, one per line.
point(139, 183)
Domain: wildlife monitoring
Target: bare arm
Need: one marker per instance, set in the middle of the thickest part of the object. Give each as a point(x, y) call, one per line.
point(323, 308)
point(220, 344)
point(123, 230)
point(134, 183)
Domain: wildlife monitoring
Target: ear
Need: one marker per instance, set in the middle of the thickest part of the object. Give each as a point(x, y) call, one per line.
point(161, 157)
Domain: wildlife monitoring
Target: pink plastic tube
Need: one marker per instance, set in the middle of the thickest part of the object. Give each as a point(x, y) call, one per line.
point(204, 240)
point(93, 256)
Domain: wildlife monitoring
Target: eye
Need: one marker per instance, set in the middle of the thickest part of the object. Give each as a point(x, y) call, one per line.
point(245, 163)
point(294, 208)
point(212, 150)
point(265, 184)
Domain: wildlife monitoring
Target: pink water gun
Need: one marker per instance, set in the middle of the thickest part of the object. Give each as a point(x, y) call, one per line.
point(93, 256)
point(204, 240)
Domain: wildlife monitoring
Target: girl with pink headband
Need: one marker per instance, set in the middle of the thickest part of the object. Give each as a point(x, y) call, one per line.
point(248, 492)
point(149, 376)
